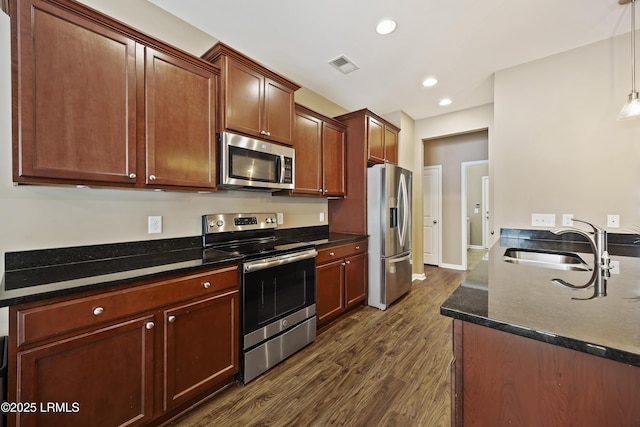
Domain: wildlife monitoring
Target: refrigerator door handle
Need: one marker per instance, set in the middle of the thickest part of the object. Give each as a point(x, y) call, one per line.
point(396, 260)
point(403, 201)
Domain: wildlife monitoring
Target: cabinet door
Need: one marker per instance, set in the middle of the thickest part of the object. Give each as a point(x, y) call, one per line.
point(308, 146)
point(329, 290)
point(202, 346)
point(278, 112)
point(355, 279)
point(375, 140)
point(333, 155)
point(181, 122)
point(243, 94)
point(390, 145)
point(107, 372)
point(75, 84)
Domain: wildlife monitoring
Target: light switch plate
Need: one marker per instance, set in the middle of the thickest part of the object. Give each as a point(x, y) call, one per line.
point(543, 220)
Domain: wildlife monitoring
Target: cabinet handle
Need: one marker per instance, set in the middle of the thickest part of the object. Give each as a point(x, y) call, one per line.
point(132, 175)
point(171, 319)
point(206, 285)
point(152, 177)
point(149, 325)
point(97, 311)
point(331, 253)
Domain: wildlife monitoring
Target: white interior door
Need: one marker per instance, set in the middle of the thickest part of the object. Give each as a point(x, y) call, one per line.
point(432, 212)
point(485, 212)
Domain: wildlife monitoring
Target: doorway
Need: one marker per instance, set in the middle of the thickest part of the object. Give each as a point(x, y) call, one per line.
point(474, 209)
point(431, 214)
point(450, 152)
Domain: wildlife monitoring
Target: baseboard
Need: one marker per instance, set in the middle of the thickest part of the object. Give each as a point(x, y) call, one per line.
point(475, 247)
point(418, 277)
point(452, 266)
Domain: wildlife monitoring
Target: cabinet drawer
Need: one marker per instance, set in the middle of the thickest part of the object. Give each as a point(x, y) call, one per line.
point(41, 322)
point(340, 251)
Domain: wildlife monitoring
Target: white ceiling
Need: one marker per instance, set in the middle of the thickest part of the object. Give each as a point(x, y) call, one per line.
point(460, 42)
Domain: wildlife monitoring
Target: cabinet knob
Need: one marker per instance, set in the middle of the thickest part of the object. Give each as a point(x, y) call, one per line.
point(171, 319)
point(263, 132)
point(331, 253)
point(132, 175)
point(357, 247)
point(206, 285)
point(343, 264)
point(97, 311)
point(152, 177)
point(348, 262)
point(149, 325)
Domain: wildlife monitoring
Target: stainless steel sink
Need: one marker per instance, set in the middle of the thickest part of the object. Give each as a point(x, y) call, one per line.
point(552, 260)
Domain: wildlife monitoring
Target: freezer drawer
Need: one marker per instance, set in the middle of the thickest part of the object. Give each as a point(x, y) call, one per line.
point(394, 275)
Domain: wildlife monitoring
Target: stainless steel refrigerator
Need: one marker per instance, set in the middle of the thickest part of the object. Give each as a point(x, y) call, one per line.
point(389, 229)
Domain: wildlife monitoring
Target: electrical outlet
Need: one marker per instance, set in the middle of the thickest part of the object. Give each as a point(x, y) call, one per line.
point(321, 216)
point(613, 221)
point(155, 224)
point(615, 267)
point(543, 220)
point(280, 217)
point(567, 220)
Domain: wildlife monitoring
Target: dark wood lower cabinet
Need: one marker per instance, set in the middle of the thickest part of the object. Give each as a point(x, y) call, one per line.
point(199, 346)
point(341, 280)
point(130, 356)
point(501, 379)
point(101, 378)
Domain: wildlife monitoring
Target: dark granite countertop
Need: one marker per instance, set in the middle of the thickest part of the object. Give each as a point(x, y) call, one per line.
point(521, 299)
point(49, 273)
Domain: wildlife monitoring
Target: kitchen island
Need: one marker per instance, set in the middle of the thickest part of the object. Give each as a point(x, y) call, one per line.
point(528, 351)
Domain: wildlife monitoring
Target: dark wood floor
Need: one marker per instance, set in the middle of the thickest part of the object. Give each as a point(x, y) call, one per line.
point(372, 368)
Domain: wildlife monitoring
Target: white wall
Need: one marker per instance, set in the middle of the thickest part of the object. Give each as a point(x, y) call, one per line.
point(557, 147)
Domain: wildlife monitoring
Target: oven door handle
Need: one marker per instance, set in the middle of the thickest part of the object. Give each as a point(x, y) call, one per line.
point(261, 264)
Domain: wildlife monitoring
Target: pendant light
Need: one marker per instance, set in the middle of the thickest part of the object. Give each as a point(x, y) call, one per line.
point(631, 109)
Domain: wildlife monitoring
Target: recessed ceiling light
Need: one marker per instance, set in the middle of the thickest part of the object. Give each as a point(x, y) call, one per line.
point(444, 101)
point(386, 26)
point(429, 81)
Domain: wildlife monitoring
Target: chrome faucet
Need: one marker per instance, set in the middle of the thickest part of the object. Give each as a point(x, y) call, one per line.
point(602, 263)
point(598, 241)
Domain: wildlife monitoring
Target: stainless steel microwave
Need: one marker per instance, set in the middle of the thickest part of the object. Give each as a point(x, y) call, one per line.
point(247, 163)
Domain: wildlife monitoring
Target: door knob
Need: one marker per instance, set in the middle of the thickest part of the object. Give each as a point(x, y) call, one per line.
point(435, 221)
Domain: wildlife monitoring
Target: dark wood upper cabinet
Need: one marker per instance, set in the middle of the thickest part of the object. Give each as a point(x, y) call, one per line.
point(179, 92)
point(320, 144)
point(74, 97)
point(308, 145)
point(371, 140)
point(333, 159)
point(255, 101)
point(96, 102)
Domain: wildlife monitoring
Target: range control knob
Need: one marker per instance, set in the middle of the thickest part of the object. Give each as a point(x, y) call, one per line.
point(219, 223)
point(268, 220)
point(273, 220)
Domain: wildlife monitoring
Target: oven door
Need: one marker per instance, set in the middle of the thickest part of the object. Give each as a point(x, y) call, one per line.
point(277, 293)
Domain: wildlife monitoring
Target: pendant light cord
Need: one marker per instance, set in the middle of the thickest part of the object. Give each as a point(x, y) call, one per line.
point(633, 45)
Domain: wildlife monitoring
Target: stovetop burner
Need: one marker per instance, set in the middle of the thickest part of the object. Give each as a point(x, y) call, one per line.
point(248, 235)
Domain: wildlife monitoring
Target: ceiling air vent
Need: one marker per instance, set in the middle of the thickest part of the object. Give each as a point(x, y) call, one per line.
point(343, 64)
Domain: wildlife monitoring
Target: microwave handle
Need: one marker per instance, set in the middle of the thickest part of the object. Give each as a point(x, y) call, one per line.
point(280, 167)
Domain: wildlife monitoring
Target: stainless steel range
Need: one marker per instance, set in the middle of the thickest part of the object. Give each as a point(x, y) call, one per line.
point(278, 291)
